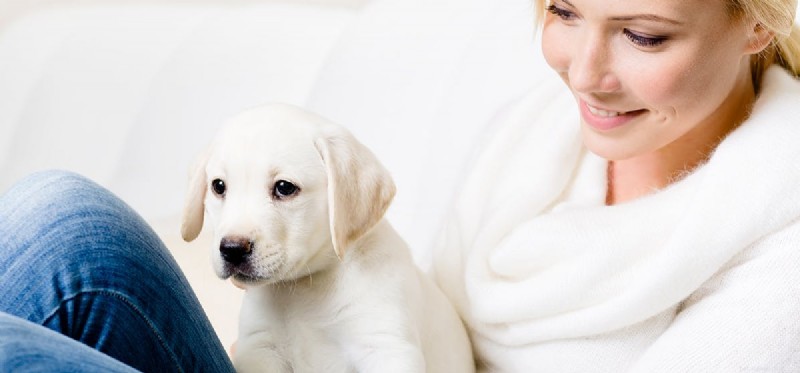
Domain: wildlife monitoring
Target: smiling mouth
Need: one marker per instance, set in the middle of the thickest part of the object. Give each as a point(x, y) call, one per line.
point(605, 120)
point(606, 113)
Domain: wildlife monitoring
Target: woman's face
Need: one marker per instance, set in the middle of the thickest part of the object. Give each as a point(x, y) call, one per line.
point(650, 75)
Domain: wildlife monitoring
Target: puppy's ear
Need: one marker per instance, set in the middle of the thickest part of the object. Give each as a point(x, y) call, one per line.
point(194, 206)
point(360, 189)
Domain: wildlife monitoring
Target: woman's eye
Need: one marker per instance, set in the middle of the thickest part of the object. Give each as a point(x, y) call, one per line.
point(644, 40)
point(218, 187)
point(562, 13)
point(284, 189)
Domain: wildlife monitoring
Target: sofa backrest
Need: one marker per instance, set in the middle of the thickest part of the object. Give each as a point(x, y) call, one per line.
point(419, 81)
point(128, 92)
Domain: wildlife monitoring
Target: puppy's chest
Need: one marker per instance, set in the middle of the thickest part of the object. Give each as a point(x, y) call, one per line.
point(312, 348)
point(304, 324)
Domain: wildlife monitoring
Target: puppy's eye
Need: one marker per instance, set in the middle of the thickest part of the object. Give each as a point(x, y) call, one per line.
point(283, 189)
point(218, 186)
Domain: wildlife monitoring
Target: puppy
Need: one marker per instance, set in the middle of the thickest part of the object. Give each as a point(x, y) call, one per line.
point(297, 207)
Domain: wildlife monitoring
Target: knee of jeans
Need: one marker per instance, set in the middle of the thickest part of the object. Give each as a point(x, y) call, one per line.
point(57, 189)
point(54, 182)
point(53, 198)
point(72, 218)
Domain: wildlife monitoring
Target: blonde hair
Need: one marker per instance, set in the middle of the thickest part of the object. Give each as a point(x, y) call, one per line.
point(776, 16)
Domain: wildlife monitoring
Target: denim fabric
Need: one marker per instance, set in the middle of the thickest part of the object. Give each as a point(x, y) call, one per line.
point(78, 261)
point(27, 347)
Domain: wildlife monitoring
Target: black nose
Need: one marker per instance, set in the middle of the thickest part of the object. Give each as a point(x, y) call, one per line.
point(235, 250)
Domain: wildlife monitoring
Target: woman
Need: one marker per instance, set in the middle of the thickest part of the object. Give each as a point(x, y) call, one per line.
point(631, 241)
point(657, 231)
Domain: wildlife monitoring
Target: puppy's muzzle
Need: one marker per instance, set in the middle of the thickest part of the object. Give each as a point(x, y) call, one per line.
point(235, 250)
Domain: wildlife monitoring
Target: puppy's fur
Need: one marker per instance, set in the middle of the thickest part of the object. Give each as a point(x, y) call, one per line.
point(331, 287)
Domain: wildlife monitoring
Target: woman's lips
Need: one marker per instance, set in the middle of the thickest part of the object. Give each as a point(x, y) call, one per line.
point(605, 120)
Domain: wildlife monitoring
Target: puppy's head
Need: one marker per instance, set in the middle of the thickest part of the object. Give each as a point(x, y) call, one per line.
point(286, 192)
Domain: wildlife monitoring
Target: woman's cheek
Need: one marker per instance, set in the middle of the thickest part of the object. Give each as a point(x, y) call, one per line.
point(661, 83)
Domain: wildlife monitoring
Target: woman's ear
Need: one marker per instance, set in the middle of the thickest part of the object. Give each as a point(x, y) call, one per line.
point(759, 38)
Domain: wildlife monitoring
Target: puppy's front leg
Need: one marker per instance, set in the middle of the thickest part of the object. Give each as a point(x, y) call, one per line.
point(387, 356)
point(262, 335)
point(256, 354)
point(385, 349)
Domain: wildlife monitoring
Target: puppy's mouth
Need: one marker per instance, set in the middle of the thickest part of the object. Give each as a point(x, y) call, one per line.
point(243, 273)
point(246, 279)
point(253, 271)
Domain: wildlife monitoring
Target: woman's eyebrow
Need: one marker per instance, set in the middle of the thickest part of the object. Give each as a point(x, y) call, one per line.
point(647, 17)
point(644, 16)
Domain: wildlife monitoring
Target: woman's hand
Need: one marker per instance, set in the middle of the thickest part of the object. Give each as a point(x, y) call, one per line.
point(237, 284)
point(232, 349)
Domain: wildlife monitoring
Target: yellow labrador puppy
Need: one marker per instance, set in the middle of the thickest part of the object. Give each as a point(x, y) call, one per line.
point(297, 205)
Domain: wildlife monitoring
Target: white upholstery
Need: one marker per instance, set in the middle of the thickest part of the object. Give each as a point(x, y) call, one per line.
point(128, 92)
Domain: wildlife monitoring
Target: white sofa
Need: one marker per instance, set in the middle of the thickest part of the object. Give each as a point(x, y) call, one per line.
point(127, 92)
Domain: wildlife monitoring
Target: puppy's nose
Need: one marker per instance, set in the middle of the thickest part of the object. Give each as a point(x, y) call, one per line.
point(235, 250)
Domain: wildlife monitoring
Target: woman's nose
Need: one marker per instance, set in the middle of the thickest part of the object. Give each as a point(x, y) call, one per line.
point(591, 68)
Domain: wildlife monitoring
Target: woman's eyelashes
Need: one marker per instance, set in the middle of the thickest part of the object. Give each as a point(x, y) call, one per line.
point(646, 41)
point(562, 13)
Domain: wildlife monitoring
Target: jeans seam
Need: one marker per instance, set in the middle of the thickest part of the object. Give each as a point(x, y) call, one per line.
point(130, 304)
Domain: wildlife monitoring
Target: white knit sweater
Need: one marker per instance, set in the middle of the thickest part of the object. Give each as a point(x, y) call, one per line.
point(702, 276)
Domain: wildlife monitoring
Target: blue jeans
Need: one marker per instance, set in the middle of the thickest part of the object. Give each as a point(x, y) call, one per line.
point(86, 285)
